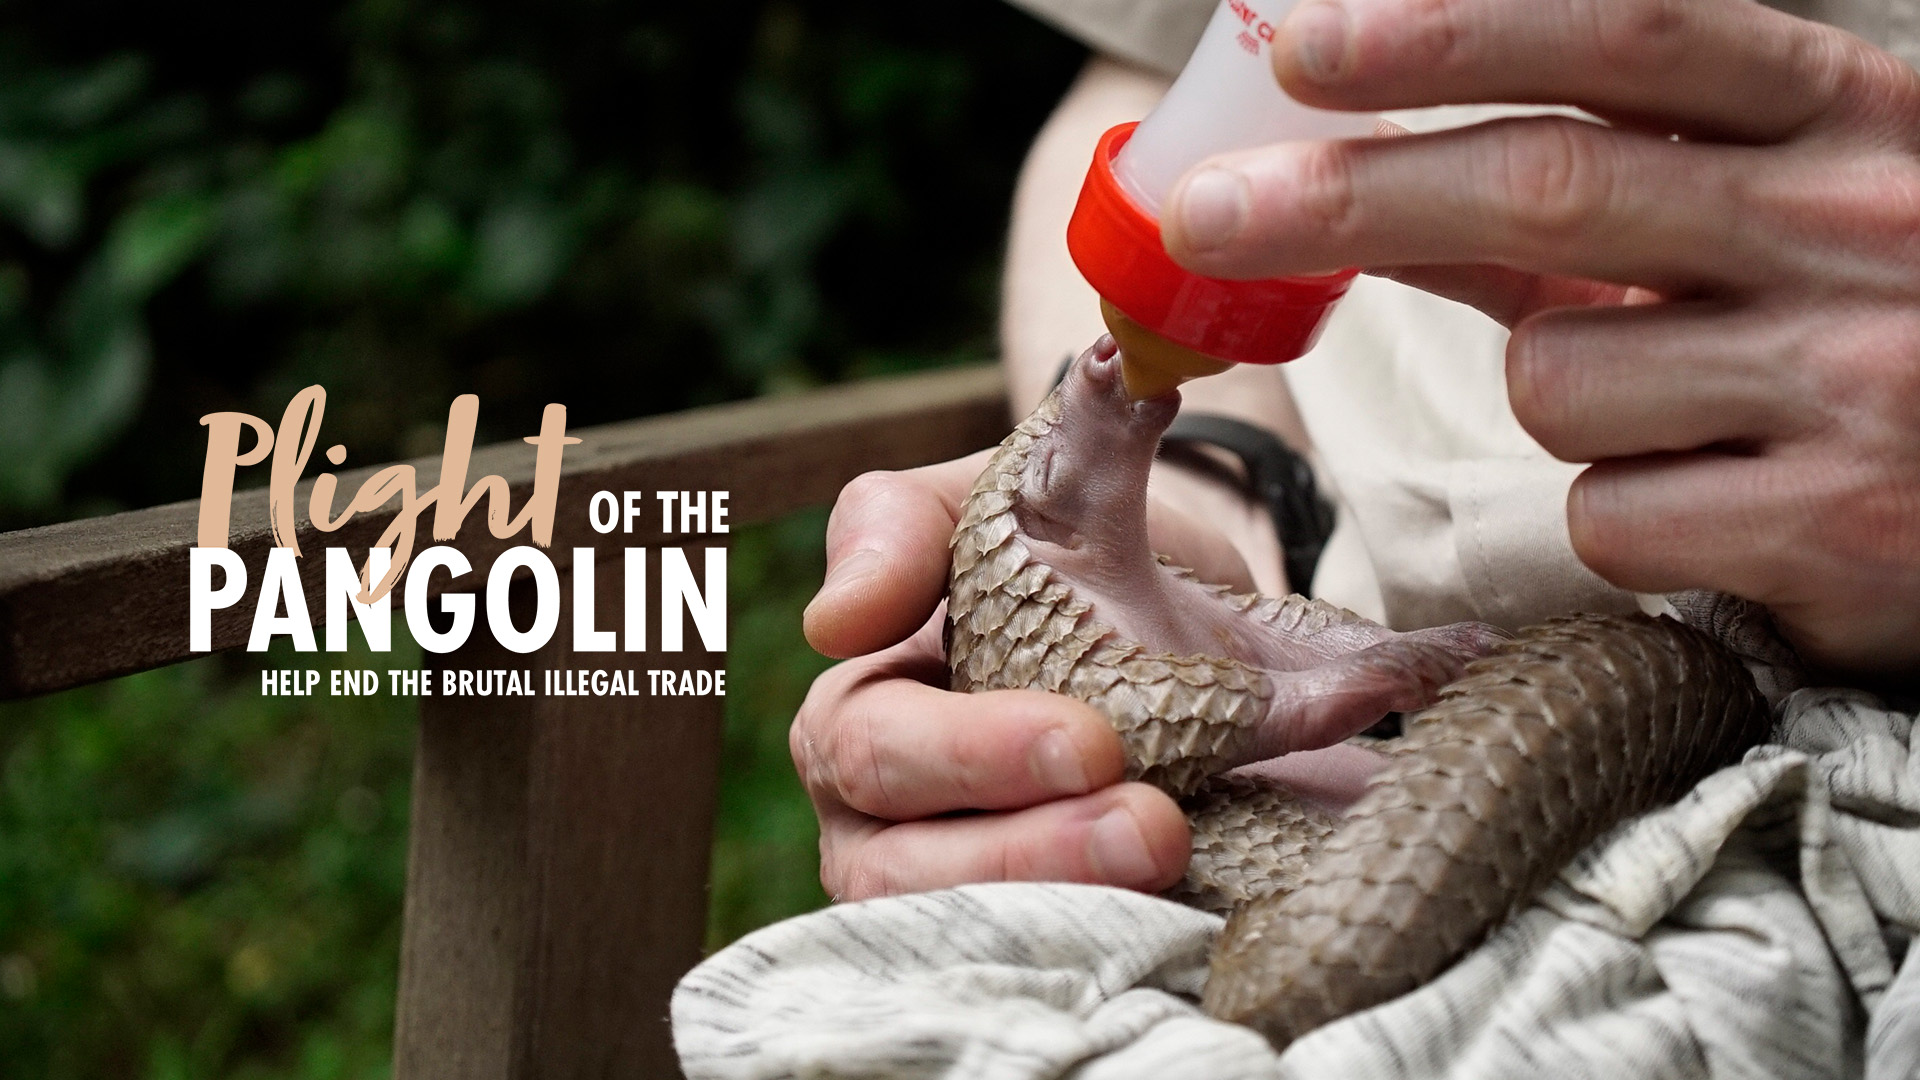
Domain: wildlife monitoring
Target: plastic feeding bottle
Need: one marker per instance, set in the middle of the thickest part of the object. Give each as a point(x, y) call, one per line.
point(1173, 324)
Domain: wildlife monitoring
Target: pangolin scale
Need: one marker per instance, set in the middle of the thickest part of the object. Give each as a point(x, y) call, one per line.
point(1527, 754)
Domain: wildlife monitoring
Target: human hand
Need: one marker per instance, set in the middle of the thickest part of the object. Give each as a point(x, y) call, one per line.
point(891, 758)
point(1716, 299)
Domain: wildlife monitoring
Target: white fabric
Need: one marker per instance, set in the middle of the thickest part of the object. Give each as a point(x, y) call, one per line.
point(1754, 929)
point(1459, 512)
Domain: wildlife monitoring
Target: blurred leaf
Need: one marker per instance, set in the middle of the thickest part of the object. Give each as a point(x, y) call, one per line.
point(520, 250)
point(149, 244)
point(40, 194)
point(92, 97)
point(28, 476)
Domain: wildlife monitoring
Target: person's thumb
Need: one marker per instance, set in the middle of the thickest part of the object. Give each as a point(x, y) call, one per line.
point(886, 557)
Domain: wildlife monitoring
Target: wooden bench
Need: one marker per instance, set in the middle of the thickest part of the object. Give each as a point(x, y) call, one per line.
point(557, 866)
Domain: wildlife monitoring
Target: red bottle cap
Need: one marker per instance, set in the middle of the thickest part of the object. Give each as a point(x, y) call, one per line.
point(1118, 249)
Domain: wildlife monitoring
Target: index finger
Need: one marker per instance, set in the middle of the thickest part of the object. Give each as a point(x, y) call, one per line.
point(1727, 69)
point(1551, 195)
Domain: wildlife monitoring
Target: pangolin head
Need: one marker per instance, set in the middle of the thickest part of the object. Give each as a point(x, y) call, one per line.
point(1085, 477)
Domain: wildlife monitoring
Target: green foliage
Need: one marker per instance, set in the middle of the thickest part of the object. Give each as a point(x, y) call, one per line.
point(624, 209)
point(73, 368)
point(196, 880)
point(766, 855)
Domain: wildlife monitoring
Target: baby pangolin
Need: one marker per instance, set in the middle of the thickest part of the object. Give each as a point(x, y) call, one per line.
point(1526, 748)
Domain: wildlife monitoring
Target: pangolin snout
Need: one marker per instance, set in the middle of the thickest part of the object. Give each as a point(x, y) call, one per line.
point(1085, 472)
point(1094, 395)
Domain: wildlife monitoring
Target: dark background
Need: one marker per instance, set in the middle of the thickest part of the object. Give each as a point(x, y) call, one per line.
point(625, 208)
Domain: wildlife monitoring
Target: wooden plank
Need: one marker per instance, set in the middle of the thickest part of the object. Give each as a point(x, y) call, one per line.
point(556, 882)
point(88, 600)
point(466, 899)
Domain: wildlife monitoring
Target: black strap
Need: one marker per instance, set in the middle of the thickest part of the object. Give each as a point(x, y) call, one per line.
point(1276, 476)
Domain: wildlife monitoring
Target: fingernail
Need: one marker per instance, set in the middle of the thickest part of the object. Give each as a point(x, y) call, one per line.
point(1055, 761)
point(1320, 32)
point(1213, 208)
point(1119, 850)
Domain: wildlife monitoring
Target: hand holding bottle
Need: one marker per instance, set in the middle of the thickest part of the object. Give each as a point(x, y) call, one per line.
point(1715, 298)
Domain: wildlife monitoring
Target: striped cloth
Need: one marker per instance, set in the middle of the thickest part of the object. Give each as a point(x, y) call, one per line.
point(1757, 928)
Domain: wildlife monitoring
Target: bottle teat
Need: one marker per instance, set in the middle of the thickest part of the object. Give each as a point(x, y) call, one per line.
point(1178, 324)
point(1150, 365)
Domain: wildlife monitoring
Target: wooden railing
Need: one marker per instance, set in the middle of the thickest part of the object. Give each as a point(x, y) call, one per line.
point(557, 867)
